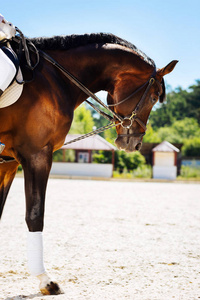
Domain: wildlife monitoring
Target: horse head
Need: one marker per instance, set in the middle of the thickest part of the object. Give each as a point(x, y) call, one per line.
point(134, 108)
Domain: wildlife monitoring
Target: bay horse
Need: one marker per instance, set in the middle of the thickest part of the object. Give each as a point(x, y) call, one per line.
point(36, 125)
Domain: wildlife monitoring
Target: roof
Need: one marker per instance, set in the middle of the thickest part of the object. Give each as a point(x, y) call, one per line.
point(95, 142)
point(165, 147)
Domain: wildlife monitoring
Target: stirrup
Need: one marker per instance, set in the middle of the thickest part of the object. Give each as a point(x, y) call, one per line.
point(2, 146)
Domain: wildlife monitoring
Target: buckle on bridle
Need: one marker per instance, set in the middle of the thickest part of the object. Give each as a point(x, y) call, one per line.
point(152, 81)
point(133, 115)
point(127, 122)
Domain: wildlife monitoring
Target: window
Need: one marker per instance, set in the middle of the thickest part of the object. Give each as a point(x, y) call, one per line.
point(83, 157)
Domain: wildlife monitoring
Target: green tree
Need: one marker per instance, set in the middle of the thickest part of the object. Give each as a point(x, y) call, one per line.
point(191, 147)
point(180, 131)
point(151, 135)
point(99, 121)
point(194, 101)
point(129, 161)
point(187, 128)
point(102, 157)
point(83, 121)
point(180, 104)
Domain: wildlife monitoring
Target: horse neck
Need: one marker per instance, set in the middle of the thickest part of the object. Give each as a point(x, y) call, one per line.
point(102, 68)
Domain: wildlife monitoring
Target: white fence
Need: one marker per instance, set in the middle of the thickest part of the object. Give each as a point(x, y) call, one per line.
point(82, 169)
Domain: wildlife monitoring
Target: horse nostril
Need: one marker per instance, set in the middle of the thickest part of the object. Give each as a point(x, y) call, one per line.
point(138, 146)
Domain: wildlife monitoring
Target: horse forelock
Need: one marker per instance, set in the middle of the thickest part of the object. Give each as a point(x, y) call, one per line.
point(74, 41)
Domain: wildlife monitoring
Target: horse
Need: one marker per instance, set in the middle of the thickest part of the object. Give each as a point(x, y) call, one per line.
point(36, 125)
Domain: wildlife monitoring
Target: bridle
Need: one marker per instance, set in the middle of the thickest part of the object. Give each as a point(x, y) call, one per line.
point(128, 120)
point(125, 121)
point(116, 119)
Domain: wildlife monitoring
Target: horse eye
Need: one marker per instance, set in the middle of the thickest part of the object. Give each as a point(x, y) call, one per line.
point(153, 100)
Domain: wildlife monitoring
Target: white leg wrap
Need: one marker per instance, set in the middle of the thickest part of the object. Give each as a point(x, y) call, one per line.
point(44, 281)
point(35, 253)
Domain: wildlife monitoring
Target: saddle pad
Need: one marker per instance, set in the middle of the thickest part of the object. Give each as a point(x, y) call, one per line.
point(13, 92)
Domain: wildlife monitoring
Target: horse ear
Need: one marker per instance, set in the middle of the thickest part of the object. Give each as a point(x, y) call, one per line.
point(168, 69)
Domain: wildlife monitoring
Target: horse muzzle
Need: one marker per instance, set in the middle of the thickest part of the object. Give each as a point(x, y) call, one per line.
point(129, 142)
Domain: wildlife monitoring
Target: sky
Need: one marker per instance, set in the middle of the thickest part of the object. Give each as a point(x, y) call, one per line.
point(164, 30)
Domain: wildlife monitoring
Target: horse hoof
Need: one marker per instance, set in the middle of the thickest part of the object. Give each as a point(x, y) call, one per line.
point(51, 288)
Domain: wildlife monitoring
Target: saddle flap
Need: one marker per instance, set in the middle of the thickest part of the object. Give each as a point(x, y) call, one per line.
point(12, 56)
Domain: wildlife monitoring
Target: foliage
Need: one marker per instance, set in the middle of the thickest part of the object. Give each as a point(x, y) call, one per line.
point(123, 175)
point(186, 128)
point(191, 147)
point(102, 157)
point(19, 169)
point(69, 155)
point(110, 135)
point(180, 104)
point(99, 121)
point(177, 121)
point(123, 160)
point(190, 172)
point(179, 132)
point(83, 121)
point(143, 171)
point(129, 161)
point(58, 155)
point(151, 135)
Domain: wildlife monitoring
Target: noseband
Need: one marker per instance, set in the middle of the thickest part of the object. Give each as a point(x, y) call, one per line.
point(127, 121)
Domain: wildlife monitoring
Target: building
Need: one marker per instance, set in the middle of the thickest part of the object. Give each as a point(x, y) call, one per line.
point(83, 165)
point(165, 161)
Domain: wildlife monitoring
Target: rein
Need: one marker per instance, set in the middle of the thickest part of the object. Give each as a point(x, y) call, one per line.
point(126, 122)
point(81, 86)
point(115, 120)
point(25, 45)
point(6, 159)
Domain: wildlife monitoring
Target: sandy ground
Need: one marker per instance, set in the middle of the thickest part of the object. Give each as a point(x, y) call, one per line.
point(107, 240)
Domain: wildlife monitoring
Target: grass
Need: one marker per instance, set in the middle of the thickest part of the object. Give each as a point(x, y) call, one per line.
point(188, 173)
point(143, 171)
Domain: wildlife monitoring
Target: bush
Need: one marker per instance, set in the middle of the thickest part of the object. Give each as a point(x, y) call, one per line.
point(191, 147)
point(102, 157)
point(19, 168)
point(69, 155)
point(129, 161)
point(123, 175)
point(190, 172)
point(143, 171)
point(58, 155)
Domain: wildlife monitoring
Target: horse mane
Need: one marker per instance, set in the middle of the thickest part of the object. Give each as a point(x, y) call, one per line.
point(73, 41)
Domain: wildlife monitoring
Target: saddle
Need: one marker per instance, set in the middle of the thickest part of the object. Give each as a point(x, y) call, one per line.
point(14, 90)
point(13, 57)
point(21, 59)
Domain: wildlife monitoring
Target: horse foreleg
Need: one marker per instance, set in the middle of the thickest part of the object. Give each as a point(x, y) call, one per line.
point(7, 174)
point(36, 171)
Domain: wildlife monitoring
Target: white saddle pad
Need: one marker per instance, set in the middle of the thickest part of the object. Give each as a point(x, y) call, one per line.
point(13, 92)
